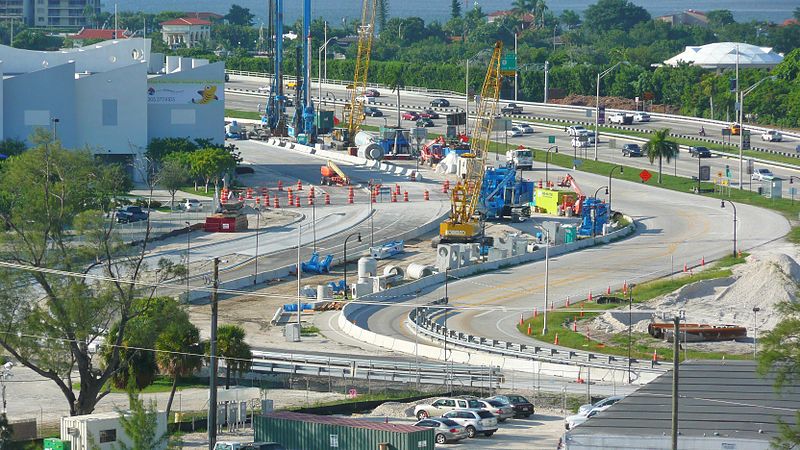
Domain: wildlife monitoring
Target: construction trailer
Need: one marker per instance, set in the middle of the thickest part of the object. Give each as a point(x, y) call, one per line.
point(504, 196)
point(103, 431)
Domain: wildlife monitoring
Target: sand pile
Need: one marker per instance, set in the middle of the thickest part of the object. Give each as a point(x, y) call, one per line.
point(613, 322)
point(396, 409)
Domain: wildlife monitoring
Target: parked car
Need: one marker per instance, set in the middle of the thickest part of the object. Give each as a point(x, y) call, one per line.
point(425, 122)
point(604, 403)
point(372, 93)
point(440, 102)
point(575, 130)
point(577, 419)
point(641, 117)
point(429, 114)
point(443, 405)
point(444, 430)
point(372, 111)
point(474, 421)
point(511, 108)
point(620, 119)
point(410, 115)
point(522, 407)
point(632, 150)
point(525, 127)
point(263, 446)
point(762, 174)
point(514, 132)
point(128, 214)
point(500, 409)
point(772, 136)
point(192, 204)
point(699, 151)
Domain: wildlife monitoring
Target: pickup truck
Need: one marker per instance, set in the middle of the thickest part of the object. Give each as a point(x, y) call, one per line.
point(511, 108)
point(620, 118)
point(128, 214)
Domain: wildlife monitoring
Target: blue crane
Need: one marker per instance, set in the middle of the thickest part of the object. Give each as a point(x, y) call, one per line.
point(304, 110)
point(275, 110)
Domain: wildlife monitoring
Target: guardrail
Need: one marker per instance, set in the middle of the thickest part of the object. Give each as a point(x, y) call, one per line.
point(376, 369)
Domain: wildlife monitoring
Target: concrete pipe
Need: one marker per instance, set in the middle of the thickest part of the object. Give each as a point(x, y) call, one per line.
point(416, 271)
point(370, 151)
point(394, 271)
point(367, 267)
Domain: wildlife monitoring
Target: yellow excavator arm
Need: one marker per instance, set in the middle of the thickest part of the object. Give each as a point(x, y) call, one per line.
point(354, 109)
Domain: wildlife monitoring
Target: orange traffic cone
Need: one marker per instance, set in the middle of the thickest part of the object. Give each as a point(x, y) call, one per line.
point(685, 268)
point(608, 290)
point(555, 341)
point(567, 304)
point(575, 324)
point(655, 355)
point(529, 329)
point(521, 320)
point(589, 298)
point(703, 261)
point(581, 310)
point(625, 287)
point(534, 313)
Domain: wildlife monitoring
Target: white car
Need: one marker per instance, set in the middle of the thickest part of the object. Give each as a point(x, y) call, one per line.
point(526, 128)
point(443, 405)
point(578, 142)
point(474, 421)
point(641, 117)
point(575, 130)
point(573, 421)
point(514, 132)
point(266, 89)
point(762, 174)
point(772, 136)
point(608, 401)
point(366, 99)
point(192, 204)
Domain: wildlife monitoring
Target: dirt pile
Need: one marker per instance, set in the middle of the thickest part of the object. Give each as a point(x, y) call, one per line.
point(612, 103)
point(396, 409)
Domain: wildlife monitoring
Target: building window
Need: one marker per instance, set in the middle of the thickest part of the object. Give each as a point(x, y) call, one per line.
point(110, 112)
point(108, 436)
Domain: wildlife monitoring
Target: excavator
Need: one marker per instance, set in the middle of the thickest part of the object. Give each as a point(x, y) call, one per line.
point(575, 204)
point(465, 223)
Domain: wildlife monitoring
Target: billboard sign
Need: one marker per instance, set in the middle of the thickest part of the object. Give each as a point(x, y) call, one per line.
point(183, 92)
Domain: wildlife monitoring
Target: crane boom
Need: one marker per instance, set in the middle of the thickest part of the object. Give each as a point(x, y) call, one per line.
point(463, 226)
point(354, 110)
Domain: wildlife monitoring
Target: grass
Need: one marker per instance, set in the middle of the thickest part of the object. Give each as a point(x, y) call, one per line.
point(309, 330)
point(161, 384)
point(794, 235)
point(201, 191)
point(642, 345)
point(237, 114)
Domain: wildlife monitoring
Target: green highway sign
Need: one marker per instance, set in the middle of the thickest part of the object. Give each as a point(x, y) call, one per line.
point(551, 139)
point(508, 64)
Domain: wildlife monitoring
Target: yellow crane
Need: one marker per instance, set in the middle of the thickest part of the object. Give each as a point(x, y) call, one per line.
point(464, 224)
point(354, 110)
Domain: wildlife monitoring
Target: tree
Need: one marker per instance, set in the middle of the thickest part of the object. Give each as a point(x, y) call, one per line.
point(796, 13)
point(382, 13)
point(455, 9)
point(238, 15)
point(234, 350)
point(5, 431)
point(211, 163)
point(569, 18)
point(140, 424)
point(173, 175)
point(35, 40)
point(659, 146)
point(720, 17)
point(179, 351)
point(12, 147)
point(158, 148)
point(48, 320)
point(614, 14)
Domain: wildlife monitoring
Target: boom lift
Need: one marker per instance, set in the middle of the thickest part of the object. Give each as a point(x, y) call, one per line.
point(353, 111)
point(465, 223)
point(577, 204)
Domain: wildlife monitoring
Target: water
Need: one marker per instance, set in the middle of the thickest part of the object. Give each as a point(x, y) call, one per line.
point(336, 10)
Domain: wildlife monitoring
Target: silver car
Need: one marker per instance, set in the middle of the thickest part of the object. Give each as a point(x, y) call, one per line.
point(474, 421)
point(444, 430)
point(502, 410)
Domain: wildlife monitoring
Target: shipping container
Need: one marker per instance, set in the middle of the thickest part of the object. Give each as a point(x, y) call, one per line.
point(297, 431)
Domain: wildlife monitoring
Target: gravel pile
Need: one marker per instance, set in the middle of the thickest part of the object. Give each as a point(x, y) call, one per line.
point(396, 409)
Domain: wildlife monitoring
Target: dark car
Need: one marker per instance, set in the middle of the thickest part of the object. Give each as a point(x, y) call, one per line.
point(632, 150)
point(522, 407)
point(425, 122)
point(128, 214)
point(700, 152)
point(429, 114)
point(372, 93)
point(511, 108)
point(440, 102)
point(263, 446)
point(373, 111)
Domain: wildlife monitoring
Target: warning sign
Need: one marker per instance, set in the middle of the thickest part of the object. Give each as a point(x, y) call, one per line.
point(645, 175)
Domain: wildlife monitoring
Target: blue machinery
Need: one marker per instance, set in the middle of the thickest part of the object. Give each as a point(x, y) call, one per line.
point(594, 214)
point(502, 195)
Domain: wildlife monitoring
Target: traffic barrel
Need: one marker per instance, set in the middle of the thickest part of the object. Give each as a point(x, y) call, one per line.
point(280, 185)
point(310, 201)
point(397, 189)
point(297, 202)
point(625, 287)
point(327, 198)
point(405, 196)
point(350, 191)
point(241, 199)
point(258, 201)
point(608, 290)
point(276, 202)
point(311, 192)
point(350, 199)
point(589, 298)
point(426, 195)
point(249, 193)
point(374, 198)
point(394, 197)
point(299, 185)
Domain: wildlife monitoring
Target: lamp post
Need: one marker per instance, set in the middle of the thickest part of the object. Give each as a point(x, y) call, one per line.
point(594, 210)
point(188, 244)
point(742, 95)
point(55, 121)
point(610, 172)
point(547, 164)
point(546, 278)
point(5, 374)
point(319, 70)
point(255, 261)
point(756, 309)
point(597, 105)
point(345, 259)
point(734, 224)
point(598, 190)
point(630, 327)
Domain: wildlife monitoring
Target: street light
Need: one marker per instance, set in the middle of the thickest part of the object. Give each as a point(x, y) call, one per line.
point(55, 121)
point(621, 171)
point(258, 228)
point(546, 278)
point(630, 327)
point(188, 244)
point(756, 309)
point(547, 164)
point(345, 259)
point(734, 224)
point(319, 70)
point(5, 374)
point(466, 89)
point(597, 104)
point(742, 95)
point(598, 190)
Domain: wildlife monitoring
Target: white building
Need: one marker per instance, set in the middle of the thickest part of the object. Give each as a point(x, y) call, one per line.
point(112, 97)
point(103, 431)
point(724, 55)
point(185, 32)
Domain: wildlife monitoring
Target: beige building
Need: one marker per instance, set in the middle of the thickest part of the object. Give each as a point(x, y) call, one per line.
point(42, 13)
point(185, 32)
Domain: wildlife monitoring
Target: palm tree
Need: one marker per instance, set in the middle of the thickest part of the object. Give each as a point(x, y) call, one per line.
point(521, 8)
point(539, 7)
point(179, 351)
point(236, 352)
point(659, 146)
point(396, 84)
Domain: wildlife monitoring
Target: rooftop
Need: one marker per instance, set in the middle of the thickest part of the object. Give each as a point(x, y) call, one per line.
point(724, 55)
point(716, 398)
point(186, 21)
point(93, 33)
point(346, 422)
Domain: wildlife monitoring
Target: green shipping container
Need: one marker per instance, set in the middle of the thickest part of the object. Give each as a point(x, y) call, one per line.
point(297, 431)
point(324, 121)
point(55, 444)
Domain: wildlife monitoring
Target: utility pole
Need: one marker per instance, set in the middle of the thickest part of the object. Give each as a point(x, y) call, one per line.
point(546, 77)
point(675, 358)
point(212, 397)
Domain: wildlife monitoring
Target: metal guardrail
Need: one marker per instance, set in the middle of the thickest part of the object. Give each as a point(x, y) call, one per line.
point(424, 318)
point(376, 369)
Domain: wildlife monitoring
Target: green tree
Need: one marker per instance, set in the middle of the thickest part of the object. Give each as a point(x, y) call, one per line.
point(179, 349)
point(36, 40)
point(173, 175)
point(569, 18)
point(212, 164)
point(660, 147)
point(720, 17)
point(49, 320)
point(382, 13)
point(5, 431)
point(238, 15)
point(140, 424)
point(614, 14)
point(234, 350)
point(12, 147)
point(455, 9)
point(158, 148)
